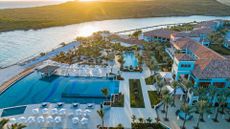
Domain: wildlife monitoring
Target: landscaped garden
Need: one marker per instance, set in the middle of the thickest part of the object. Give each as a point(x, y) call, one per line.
point(154, 98)
point(118, 100)
point(150, 80)
point(136, 96)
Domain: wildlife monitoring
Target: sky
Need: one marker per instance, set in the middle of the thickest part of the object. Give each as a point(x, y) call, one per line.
point(34, 0)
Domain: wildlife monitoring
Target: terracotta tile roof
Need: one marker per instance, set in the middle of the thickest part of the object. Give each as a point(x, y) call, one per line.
point(207, 23)
point(165, 33)
point(183, 57)
point(199, 50)
point(209, 63)
point(194, 33)
point(209, 68)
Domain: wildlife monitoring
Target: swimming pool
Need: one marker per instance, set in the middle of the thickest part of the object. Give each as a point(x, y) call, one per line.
point(130, 59)
point(32, 89)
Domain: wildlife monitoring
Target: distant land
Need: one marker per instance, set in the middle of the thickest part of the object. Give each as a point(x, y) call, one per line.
point(77, 12)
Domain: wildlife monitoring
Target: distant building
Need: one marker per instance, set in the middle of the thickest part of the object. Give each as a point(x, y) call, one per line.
point(213, 24)
point(159, 35)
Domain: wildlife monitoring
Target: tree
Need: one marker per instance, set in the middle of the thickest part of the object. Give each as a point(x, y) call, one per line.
point(174, 85)
point(119, 126)
point(221, 100)
point(17, 126)
point(201, 107)
point(105, 92)
point(167, 99)
point(187, 85)
point(212, 93)
point(3, 123)
point(149, 120)
point(101, 115)
point(187, 110)
point(133, 118)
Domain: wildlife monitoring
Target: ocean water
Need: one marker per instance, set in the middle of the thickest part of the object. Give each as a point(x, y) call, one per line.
point(18, 45)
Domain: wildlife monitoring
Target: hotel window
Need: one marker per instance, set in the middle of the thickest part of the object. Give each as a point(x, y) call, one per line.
point(219, 84)
point(185, 65)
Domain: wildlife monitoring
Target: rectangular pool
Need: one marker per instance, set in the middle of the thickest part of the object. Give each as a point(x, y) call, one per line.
point(32, 90)
point(130, 59)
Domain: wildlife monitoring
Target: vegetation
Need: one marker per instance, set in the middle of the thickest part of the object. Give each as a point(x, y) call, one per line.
point(101, 114)
point(119, 102)
point(3, 125)
point(142, 123)
point(220, 49)
point(136, 96)
point(77, 12)
point(105, 92)
point(154, 98)
point(187, 110)
point(150, 80)
point(183, 27)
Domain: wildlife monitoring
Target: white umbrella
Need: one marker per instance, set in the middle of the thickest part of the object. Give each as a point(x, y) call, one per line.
point(75, 120)
point(45, 111)
point(35, 111)
point(84, 121)
point(87, 111)
point(22, 119)
point(12, 120)
point(62, 111)
point(78, 112)
point(40, 119)
point(57, 119)
point(49, 119)
point(54, 111)
point(31, 119)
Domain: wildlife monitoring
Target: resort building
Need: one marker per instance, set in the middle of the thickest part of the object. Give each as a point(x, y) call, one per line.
point(201, 65)
point(199, 35)
point(213, 24)
point(159, 35)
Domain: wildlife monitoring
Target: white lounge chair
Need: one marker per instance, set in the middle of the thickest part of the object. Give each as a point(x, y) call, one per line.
point(84, 121)
point(35, 111)
point(22, 119)
point(45, 111)
point(31, 119)
point(58, 119)
point(62, 111)
point(54, 111)
point(49, 119)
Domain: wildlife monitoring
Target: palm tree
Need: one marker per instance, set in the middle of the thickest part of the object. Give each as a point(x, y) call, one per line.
point(167, 99)
point(174, 85)
point(101, 115)
point(212, 93)
point(187, 110)
point(221, 99)
point(105, 92)
point(187, 85)
point(201, 107)
point(133, 118)
point(149, 120)
point(17, 126)
point(141, 120)
point(3, 123)
point(119, 126)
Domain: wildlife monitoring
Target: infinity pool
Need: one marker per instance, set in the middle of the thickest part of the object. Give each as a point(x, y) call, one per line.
point(130, 59)
point(32, 89)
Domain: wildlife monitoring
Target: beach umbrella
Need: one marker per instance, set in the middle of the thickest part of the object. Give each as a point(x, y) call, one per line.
point(60, 104)
point(40, 119)
point(75, 120)
point(84, 121)
point(35, 111)
point(87, 112)
point(45, 111)
point(78, 112)
point(49, 119)
point(22, 119)
point(54, 111)
point(58, 119)
point(31, 119)
point(62, 111)
point(44, 104)
point(12, 120)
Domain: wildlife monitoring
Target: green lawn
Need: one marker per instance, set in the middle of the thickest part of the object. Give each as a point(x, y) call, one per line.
point(220, 49)
point(77, 12)
point(150, 80)
point(136, 95)
point(154, 98)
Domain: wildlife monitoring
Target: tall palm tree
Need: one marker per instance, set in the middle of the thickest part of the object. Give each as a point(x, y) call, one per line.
point(167, 99)
point(221, 100)
point(212, 93)
point(17, 126)
point(201, 107)
point(174, 85)
point(187, 110)
point(133, 118)
point(187, 86)
point(101, 115)
point(105, 92)
point(3, 123)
